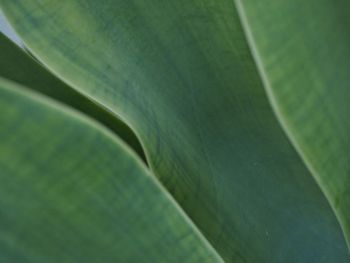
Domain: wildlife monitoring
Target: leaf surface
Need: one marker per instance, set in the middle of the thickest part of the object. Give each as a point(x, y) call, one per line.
point(182, 75)
point(311, 88)
point(18, 66)
point(73, 192)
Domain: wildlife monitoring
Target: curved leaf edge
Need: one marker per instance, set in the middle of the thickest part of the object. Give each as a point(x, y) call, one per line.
point(82, 103)
point(281, 119)
point(78, 116)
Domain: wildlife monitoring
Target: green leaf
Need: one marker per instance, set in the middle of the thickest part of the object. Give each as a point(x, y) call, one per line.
point(20, 67)
point(182, 75)
point(311, 94)
point(73, 192)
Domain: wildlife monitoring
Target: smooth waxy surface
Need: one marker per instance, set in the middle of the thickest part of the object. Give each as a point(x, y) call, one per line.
point(314, 103)
point(18, 66)
point(72, 192)
point(182, 75)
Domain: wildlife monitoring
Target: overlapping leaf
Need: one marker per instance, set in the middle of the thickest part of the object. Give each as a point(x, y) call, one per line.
point(20, 67)
point(181, 74)
point(72, 192)
point(304, 52)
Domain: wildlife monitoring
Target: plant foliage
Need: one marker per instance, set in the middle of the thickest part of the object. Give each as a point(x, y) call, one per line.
point(239, 109)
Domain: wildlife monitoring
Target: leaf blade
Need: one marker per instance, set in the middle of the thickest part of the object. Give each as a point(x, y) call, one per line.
point(20, 67)
point(83, 209)
point(313, 105)
point(189, 82)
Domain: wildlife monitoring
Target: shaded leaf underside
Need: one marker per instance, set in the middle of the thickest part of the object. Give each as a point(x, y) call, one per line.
point(20, 67)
